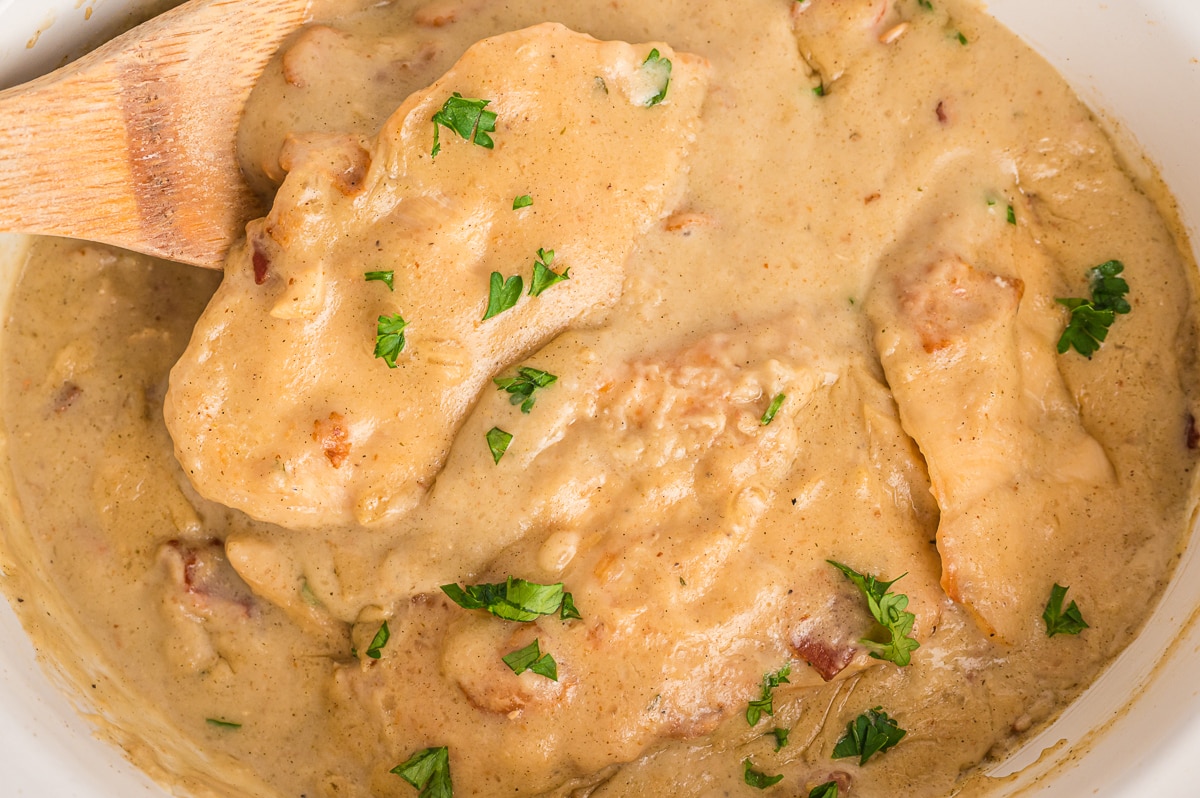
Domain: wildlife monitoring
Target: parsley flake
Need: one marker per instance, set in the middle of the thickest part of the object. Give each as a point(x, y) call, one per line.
point(523, 201)
point(657, 69)
point(781, 737)
point(961, 38)
point(383, 277)
point(765, 703)
point(514, 599)
point(1058, 621)
point(1090, 318)
point(502, 294)
point(389, 338)
point(543, 275)
point(769, 415)
point(498, 441)
point(925, 4)
point(531, 658)
point(222, 724)
point(827, 790)
point(468, 119)
point(756, 778)
point(379, 641)
point(429, 772)
point(888, 610)
point(521, 387)
point(819, 90)
point(1012, 215)
point(872, 732)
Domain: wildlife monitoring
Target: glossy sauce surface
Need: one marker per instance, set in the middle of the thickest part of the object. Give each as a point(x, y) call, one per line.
point(868, 207)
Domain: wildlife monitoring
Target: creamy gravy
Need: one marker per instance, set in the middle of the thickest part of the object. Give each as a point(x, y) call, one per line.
point(819, 208)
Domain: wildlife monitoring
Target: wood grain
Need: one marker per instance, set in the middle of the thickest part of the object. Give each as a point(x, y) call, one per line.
point(134, 144)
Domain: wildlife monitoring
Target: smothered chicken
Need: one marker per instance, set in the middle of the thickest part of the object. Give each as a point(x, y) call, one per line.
point(620, 398)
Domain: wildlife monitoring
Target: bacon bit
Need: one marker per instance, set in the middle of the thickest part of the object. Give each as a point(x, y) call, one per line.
point(206, 577)
point(941, 112)
point(826, 657)
point(333, 437)
point(67, 395)
point(1193, 434)
point(261, 263)
point(685, 222)
point(893, 33)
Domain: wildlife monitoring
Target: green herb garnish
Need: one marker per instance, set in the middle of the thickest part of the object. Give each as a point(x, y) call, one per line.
point(819, 90)
point(498, 441)
point(769, 415)
point(781, 737)
point(1012, 215)
point(765, 703)
point(468, 119)
point(383, 277)
point(827, 790)
point(514, 599)
point(658, 68)
point(1057, 621)
point(222, 724)
point(502, 294)
point(543, 275)
point(1090, 318)
point(872, 732)
point(531, 658)
point(888, 609)
point(523, 201)
point(379, 641)
point(757, 778)
point(925, 4)
point(429, 772)
point(521, 387)
point(961, 38)
point(389, 338)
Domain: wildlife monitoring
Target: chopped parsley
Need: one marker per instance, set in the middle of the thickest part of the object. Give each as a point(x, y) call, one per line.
point(827, 790)
point(532, 659)
point(961, 38)
point(769, 415)
point(819, 90)
point(467, 118)
point(379, 641)
point(1058, 621)
point(765, 703)
point(502, 294)
point(383, 277)
point(222, 724)
point(659, 69)
point(1012, 215)
point(781, 737)
point(872, 732)
point(543, 275)
point(925, 4)
point(523, 201)
point(389, 338)
point(498, 441)
point(521, 387)
point(757, 778)
point(429, 772)
point(515, 599)
point(888, 609)
point(1090, 318)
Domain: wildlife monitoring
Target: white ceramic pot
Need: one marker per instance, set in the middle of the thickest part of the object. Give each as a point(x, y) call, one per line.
point(1135, 733)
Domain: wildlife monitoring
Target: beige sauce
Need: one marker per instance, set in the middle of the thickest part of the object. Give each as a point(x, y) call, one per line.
point(818, 208)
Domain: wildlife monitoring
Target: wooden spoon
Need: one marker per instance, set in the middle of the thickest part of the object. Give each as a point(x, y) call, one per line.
point(135, 143)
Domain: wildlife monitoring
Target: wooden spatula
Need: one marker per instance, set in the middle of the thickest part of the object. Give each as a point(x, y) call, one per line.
point(134, 144)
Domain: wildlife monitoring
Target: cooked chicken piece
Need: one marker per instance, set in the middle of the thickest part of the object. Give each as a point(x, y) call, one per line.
point(969, 352)
point(285, 405)
point(685, 485)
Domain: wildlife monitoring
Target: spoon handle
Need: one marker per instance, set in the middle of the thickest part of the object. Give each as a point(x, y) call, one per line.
point(135, 143)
